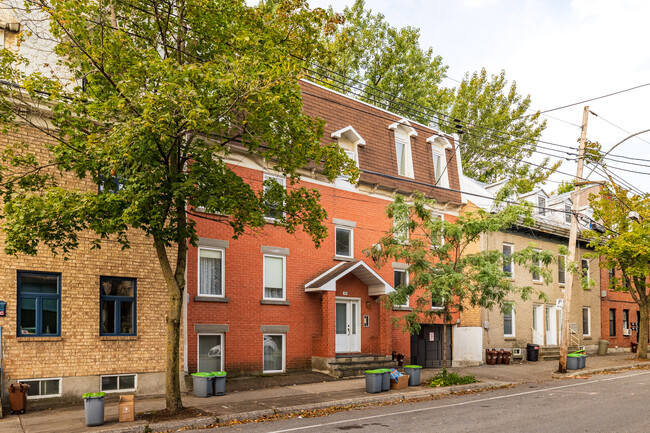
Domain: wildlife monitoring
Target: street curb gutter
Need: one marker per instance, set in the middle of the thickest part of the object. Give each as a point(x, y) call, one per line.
point(370, 399)
point(584, 372)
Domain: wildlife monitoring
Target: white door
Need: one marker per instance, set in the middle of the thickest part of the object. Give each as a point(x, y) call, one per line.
point(551, 326)
point(538, 324)
point(348, 332)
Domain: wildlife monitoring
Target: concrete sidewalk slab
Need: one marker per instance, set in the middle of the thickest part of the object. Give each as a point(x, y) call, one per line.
point(305, 397)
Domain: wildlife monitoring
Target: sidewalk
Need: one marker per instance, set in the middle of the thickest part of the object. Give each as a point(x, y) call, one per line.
point(290, 399)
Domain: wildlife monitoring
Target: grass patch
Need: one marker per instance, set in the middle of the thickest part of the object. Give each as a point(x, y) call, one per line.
point(445, 378)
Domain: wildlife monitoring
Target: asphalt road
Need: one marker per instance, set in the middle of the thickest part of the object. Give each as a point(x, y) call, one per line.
point(602, 403)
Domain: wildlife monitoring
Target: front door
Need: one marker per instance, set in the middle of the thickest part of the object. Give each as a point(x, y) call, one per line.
point(551, 326)
point(348, 324)
point(538, 324)
point(426, 346)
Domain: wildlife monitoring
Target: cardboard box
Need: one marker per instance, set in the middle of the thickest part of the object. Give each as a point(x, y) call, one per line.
point(127, 408)
point(401, 382)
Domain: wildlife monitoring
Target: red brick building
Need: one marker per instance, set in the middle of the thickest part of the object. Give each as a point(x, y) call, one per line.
point(272, 302)
point(619, 312)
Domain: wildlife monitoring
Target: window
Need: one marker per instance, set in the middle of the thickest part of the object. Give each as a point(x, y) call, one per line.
point(118, 309)
point(211, 272)
point(111, 185)
point(41, 388)
point(507, 260)
point(585, 268)
point(612, 322)
point(568, 210)
point(209, 353)
point(344, 240)
point(438, 238)
point(541, 204)
point(537, 263)
point(400, 228)
point(440, 167)
point(39, 304)
point(626, 319)
point(437, 305)
point(586, 321)
point(401, 278)
point(353, 156)
point(273, 205)
point(118, 382)
point(611, 273)
point(274, 277)
point(403, 153)
point(561, 269)
point(509, 320)
point(273, 353)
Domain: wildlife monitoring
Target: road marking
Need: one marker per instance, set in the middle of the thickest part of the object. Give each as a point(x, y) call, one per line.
point(424, 409)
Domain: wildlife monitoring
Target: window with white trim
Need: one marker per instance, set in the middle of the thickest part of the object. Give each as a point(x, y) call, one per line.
point(438, 238)
point(273, 206)
point(274, 353)
point(274, 277)
point(400, 228)
point(211, 272)
point(508, 266)
point(209, 352)
point(344, 242)
point(509, 320)
point(586, 321)
point(541, 204)
point(403, 153)
point(585, 268)
point(118, 382)
point(43, 388)
point(568, 210)
point(561, 269)
point(440, 171)
point(537, 275)
point(401, 278)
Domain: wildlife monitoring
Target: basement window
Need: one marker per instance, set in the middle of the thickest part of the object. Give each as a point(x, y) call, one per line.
point(118, 382)
point(43, 388)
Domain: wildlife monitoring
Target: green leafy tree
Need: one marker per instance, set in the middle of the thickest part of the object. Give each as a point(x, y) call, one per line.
point(155, 96)
point(566, 186)
point(624, 245)
point(443, 272)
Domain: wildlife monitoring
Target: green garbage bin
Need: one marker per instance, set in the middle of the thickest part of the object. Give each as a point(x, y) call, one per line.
point(373, 381)
point(414, 374)
point(573, 361)
point(202, 384)
point(94, 408)
point(385, 378)
point(219, 379)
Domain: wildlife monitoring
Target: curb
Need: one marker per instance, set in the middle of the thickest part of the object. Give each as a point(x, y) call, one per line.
point(585, 371)
point(369, 399)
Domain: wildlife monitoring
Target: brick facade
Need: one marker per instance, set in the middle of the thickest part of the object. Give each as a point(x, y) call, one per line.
point(619, 302)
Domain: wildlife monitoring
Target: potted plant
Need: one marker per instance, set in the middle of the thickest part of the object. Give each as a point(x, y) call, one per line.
point(94, 406)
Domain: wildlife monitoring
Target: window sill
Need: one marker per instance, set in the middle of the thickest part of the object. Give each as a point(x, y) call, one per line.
point(273, 302)
point(23, 339)
point(586, 337)
point(509, 338)
point(344, 259)
point(211, 299)
point(118, 337)
point(401, 308)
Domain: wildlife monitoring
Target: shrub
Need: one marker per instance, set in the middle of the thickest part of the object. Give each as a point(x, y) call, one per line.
point(444, 378)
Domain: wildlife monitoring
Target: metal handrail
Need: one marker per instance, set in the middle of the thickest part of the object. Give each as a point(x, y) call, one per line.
point(539, 334)
point(575, 337)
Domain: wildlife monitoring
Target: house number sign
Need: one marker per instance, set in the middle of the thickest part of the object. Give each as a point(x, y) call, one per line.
point(431, 336)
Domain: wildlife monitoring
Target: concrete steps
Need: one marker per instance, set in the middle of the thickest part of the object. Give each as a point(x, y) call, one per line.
point(552, 353)
point(352, 366)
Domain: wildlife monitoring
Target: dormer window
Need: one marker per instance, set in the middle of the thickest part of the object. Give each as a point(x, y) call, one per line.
point(440, 164)
point(403, 133)
point(568, 210)
point(349, 140)
point(541, 204)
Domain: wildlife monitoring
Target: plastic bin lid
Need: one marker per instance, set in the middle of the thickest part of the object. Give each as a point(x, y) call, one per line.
point(218, 373)
point(373, 371)
point(202, 374)
point(574, 355)
point(412, 366)
point(93, 395)
point(383, 370)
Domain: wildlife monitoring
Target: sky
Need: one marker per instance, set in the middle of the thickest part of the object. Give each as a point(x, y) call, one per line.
point(559, 53)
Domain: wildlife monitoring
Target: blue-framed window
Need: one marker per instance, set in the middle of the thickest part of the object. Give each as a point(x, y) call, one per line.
point(117, 311)
point(39, 304)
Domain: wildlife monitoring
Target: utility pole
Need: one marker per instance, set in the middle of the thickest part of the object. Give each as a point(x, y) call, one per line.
point(573, 234)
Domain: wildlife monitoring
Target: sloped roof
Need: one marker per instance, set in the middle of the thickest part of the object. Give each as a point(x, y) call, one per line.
point(326, 281)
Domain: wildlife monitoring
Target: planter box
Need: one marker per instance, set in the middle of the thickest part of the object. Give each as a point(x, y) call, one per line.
point(401, 382)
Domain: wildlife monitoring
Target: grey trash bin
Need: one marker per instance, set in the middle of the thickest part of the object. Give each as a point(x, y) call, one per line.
point(373, 381)
point(385, 378)
point(202, 384)
point(94, 407)
point(219, 378)
point(572, 361)
point(414, 374)
point(582, 362)
point(603, 345)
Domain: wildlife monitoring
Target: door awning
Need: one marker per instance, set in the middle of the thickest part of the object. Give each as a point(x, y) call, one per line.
point(326, 282)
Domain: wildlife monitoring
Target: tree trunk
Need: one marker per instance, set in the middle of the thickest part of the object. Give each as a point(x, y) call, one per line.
point(642, 348)
point(172, 355)
point(444, 343)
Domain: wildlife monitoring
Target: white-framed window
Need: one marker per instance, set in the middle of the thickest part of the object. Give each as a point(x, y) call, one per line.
point(585, 268)
point(211, 272)
point(537, 275)
point(118, 382)
point(438, 239)
point(274, 277)
point(568, 209)
point(401, 230)
point(401, 278)
point(43, 388)
point(273, 212)
point(438, 305)
point(344, 242)
point(561, 269)
point(586, 321)
point(440, 166)
point(541, 204)
point(509, 320)
point(209, 352)
point(274, 353)
point(508, 265)
point(403, 152)
point(353, 156)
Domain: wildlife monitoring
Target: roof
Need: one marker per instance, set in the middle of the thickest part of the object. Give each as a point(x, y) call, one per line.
point(326, 282)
